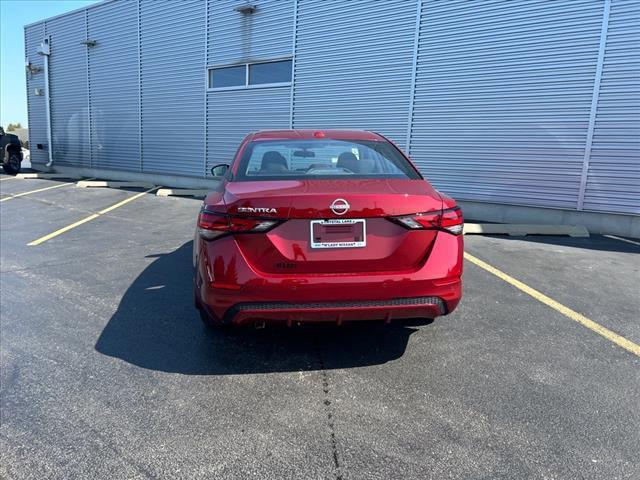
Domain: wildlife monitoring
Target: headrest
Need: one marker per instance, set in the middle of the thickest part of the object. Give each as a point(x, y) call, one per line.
point(349, 161)
point(272, 159)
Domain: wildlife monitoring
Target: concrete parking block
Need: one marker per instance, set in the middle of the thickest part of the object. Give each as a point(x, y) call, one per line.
point(47, 176)
point(112, 184)
point(179, 192)
point(523, 230)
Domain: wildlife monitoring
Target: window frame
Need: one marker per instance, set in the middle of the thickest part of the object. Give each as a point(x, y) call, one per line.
point(246, 85)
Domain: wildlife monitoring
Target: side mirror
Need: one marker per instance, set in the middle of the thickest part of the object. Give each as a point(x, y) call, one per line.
point(219, 170)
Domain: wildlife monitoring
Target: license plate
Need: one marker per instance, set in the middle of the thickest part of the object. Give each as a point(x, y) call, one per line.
point(338, 233)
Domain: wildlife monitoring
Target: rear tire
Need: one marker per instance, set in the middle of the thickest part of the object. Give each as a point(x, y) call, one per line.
point(211, 323)
point(11, 164)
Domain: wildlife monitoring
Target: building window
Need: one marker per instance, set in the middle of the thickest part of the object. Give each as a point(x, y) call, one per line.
point(248, 75)
point(227, 77)
point(271, 72)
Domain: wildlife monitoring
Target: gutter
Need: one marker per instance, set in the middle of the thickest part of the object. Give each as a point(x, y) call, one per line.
point(45, 51)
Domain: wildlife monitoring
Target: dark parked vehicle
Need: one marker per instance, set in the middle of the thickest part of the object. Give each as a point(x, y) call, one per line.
point(10, 152)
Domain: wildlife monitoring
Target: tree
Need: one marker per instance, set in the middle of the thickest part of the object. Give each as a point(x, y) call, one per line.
point(13, 126)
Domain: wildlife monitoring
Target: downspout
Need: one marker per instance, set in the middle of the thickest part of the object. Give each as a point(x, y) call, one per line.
point(45, 51)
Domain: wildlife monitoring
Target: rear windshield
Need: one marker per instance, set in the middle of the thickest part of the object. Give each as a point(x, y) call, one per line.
point(322, 158)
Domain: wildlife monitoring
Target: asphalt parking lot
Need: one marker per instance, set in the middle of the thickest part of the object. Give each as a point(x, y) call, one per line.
point(107, 371)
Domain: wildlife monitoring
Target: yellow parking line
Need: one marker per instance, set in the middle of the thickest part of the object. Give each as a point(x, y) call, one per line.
point(89, 218)
point(125, 201)
point(34, 191)
point(566, 311)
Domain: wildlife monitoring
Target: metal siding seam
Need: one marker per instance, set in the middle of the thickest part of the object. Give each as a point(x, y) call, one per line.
point(206, 86)
point(139, 88)
point(47, 86)
point(414, 68)
point(293, 60)
point(594, 103)
point(613, 179)
point(89, 121)
point(26, 81)
point(503, 117)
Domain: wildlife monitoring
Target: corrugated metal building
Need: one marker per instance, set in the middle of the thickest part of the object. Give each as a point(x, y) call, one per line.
point(531, 103)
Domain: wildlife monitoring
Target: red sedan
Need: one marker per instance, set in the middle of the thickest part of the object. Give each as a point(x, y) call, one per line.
point(325, 226)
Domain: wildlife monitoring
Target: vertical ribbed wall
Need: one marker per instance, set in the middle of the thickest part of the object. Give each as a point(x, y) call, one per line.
point(113, 81)
point(353, 65)
point(69, 90)
point(234, 37)
point(503, 96)
point(172, 75)
point(613, 181)
point(511, 102)
point(36, 104)
point(233, 114)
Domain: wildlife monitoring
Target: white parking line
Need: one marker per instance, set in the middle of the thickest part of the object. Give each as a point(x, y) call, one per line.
point(614, 237)
point(34, 191)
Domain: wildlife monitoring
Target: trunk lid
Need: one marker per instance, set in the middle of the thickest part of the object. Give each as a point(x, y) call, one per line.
point(287, 249)
point(313, 198)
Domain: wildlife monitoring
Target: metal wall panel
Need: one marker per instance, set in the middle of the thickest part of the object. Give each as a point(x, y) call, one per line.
point(353, 65)
point(502, 98)
point(173, 89)
point(497, 101)
point(113, 85)
point(36, 104)
point(613, 181)
point(234, 36)
point(234, 113)
point(69, 94)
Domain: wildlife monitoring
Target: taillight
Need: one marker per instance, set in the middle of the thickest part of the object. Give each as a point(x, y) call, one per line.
point(212, 225)
point(452, 221)
point(449, 220)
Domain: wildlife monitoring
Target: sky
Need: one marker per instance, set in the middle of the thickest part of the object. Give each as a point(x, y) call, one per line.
point(14, 15)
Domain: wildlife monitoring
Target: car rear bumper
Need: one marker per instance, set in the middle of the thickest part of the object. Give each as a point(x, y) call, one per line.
point(335, 312)
point(244, 295)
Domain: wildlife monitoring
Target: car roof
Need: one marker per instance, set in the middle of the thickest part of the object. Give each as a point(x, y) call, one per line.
point(314, 133)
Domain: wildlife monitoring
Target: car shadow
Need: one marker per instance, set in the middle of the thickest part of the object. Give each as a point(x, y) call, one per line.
point(156, 327)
